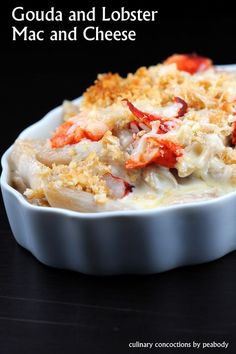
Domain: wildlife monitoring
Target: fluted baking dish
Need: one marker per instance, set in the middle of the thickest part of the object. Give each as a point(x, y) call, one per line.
point(116, 242)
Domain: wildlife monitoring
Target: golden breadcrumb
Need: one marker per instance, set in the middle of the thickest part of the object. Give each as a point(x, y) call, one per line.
point(111, 149)
point(85, 175)
point(158, 84)
point(191, 119)
point(229, 156)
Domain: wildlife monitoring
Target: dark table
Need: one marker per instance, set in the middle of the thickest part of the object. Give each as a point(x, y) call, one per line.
point(45, 310)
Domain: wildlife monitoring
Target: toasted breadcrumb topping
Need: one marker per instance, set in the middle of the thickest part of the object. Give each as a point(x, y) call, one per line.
point(86, 175)
point(158, 84)
point(111, 149)
point(123, 121)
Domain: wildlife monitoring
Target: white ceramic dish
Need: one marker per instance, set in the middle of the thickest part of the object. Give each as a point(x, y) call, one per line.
point(117, 242)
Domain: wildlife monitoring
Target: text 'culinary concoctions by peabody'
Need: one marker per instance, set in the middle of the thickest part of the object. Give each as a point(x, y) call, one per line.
point(180, 345)
point(92, 32)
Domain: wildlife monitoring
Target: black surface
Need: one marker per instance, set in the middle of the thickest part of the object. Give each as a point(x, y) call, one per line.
point(197, 26)
point(44, 310)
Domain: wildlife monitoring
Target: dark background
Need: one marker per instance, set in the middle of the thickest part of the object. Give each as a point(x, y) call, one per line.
point(43, 310)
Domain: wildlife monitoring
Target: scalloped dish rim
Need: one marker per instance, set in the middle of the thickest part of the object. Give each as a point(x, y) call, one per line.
point(6, 175)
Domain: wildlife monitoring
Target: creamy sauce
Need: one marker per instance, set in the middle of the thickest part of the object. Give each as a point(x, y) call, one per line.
point(193, 190)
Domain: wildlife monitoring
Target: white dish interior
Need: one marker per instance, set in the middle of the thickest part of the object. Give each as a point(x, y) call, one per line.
point(164, 238)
